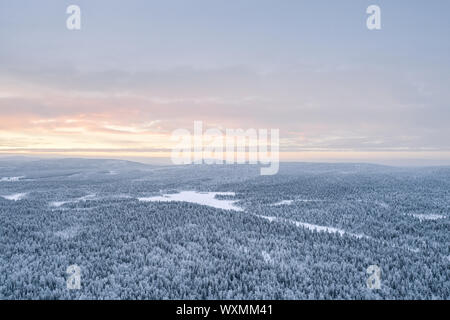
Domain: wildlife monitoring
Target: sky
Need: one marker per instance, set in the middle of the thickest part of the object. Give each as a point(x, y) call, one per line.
point(138, 70)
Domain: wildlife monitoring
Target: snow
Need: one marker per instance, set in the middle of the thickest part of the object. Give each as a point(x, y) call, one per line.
point(314, 227)
point(202, 198)
point(85, 198)
point(67, 233)
point(61, 203)
point(11, 179)
point(283, 202)
point(382, 204)
point(423, 217)
point(58, 203)
point(15, 197)
point(271, 219)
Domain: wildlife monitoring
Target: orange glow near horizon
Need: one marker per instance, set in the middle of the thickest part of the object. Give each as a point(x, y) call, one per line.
point(41, 121)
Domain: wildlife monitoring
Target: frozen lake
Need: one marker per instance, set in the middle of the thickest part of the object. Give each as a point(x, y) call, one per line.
point(283, 203)
point(314, 227)
point(203, 198)
point(15, 197)
point(11, 179)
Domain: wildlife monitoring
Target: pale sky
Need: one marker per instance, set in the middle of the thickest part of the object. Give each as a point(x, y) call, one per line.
point(137, 70)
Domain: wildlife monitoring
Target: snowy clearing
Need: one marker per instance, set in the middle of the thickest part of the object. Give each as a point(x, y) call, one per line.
point(283, 203)
point(314, 227)
point(15, 197)
point(67, 233)
point(11, 179)
point(423, 217)
point(203, 198)
point(61, 203)
point(58, 203)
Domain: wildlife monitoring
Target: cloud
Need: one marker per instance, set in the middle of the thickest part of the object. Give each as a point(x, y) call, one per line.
point(357, 107)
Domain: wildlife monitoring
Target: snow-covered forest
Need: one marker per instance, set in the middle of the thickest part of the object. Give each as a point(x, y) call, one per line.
point(160, 232)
